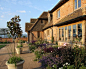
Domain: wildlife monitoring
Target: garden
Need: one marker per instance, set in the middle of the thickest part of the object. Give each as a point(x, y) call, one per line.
point(52, 56)
point(1, 46)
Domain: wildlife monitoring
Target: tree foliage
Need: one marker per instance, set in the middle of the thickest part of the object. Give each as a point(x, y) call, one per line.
point(13, 25)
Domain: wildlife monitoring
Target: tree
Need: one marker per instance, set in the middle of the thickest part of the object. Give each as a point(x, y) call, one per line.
point(5, 31)
point(15, 29)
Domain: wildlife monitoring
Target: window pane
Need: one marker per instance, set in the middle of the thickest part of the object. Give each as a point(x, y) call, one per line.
point(62, 32)
point(59, 33)
point(65, 33)
point(74, 30)
point(75, 4)
point(79, 3)
point(79, 26)
point(69, 27)
point(58, 14)
point(69, 31)
point(65, 28)
point(74, 26)
point(80, 30)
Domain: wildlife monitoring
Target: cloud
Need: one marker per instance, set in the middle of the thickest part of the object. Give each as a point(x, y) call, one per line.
point(22, 11)
point(2, 16)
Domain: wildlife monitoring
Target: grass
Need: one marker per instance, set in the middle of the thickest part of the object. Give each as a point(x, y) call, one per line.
point(1, 46)
point(4, 43)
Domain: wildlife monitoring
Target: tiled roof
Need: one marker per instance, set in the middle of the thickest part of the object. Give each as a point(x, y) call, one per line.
point(44, 15)
point(48, 25)
point(28, 26)
point(32, 20)
point(37, 25)
point(73, 15)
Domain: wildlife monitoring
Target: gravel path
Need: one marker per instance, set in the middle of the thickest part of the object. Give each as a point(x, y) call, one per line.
point(28, 57)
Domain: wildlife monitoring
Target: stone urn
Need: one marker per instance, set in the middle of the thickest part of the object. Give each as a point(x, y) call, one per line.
point(19, 50)
point(17, 66)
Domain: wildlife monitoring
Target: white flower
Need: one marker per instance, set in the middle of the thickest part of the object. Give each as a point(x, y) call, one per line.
point(61, 68)
point(63, 64)
point(66, 63)
point(53, 65)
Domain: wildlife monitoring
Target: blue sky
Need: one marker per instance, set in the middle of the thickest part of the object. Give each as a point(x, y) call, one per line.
point(26, 9)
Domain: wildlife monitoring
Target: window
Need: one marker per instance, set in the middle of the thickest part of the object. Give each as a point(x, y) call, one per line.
point(58, 14)
point(65, 33)
point(62, 33)
point(59, 33)
point(74, 31)
point(69, 31)
point(41, 21)
point(80, 30)
point(47, 32)
point(77, 4)
point(38, 34)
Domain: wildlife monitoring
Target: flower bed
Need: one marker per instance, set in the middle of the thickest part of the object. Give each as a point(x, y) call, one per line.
point(65, 57)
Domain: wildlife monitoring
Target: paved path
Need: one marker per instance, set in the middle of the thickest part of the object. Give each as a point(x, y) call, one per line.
point(28, 57)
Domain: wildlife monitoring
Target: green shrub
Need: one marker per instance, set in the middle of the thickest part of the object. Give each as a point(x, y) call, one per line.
point(79, 56)
point(30, 43)
point(23, 41)
point(14, 60)
point(32, 48)
point(19, 46)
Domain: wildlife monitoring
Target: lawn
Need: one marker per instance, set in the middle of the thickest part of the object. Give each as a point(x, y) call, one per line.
point(1, 46)
point(5, 42)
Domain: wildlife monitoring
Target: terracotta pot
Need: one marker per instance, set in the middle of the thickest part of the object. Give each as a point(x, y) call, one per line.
point(19, 50)
point(18, 65)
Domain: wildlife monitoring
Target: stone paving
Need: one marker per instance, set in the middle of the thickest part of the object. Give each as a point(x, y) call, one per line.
point(28, 57)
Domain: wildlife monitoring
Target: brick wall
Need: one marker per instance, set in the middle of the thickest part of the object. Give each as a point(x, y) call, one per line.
point(11, 40)
point(66, 9)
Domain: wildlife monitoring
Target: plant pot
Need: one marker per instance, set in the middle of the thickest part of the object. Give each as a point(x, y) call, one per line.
point(19, 44)
point(18, 50)
point(13, 66)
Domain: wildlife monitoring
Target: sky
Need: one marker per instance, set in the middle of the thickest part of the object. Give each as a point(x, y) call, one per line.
point(26, 9)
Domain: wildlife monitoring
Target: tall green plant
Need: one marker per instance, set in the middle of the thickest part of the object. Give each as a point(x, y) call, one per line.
point(15, 29)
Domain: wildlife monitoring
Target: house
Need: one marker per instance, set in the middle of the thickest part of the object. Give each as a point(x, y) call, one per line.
point(64, 22)
point(34, 30)
point(69, 20)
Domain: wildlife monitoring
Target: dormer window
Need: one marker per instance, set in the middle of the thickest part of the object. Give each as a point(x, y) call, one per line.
point(58, 14)
point(41, 21)
point(77, 4)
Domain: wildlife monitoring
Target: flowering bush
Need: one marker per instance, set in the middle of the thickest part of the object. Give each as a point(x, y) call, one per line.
point(51, 61)
point(50, 49)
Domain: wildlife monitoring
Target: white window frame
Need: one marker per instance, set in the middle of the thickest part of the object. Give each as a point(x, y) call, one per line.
point(77, 5)
point(58, 14)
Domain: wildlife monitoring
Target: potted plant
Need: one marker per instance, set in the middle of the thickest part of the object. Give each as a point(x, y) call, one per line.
point(13, 25)
point(15, 63)
point(19, 49)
